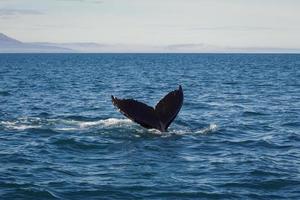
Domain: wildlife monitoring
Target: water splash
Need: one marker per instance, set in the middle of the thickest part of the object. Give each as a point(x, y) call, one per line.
point(18, 126)
point(105, 122)
point(212, 128)
point(60, 124)
point(22, 123)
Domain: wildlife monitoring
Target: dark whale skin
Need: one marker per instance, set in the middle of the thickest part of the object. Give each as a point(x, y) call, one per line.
point(159, 117)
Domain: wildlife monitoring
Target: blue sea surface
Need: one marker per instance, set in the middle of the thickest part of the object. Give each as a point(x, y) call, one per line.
point(237, 135)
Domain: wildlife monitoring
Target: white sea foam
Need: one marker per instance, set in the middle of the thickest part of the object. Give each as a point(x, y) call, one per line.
point(104, 122)
point(18, 126)
point(73, 125)
point(186, 131)
point(66, 129)
point(24, 127)
point(181, 132)
point(59, 124)
point(212, 128)
point(24, 123)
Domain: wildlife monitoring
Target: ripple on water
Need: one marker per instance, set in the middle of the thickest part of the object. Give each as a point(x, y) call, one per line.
point(236, 137)
point(28, 192)
point(75, 144)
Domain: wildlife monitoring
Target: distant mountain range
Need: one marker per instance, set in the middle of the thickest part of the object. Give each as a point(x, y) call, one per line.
point(11, 45)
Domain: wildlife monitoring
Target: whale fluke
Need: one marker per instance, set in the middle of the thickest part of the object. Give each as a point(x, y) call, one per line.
point(159, 117)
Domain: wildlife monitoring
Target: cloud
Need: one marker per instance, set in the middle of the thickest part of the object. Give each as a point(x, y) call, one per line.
point(195, 27)
point(6, 12)
point(180, 46)
point(87, 1)
point(233, 28)
point(193, 47)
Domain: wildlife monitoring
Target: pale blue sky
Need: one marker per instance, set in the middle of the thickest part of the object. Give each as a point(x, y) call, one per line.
point(238, 23)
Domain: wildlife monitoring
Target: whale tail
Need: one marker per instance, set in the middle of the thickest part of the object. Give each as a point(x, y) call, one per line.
point(159, 117)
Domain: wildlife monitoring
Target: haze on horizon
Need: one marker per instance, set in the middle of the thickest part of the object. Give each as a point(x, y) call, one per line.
point(226, 23)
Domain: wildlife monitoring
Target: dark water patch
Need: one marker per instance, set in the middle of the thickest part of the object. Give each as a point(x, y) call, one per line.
point(191, 195)
point(108, 193)
point(267, 173)
point(270, 185)
point(80, 118)
point(264, 85)
point(294, 137)
point(265, 196)
point(29, 193)
point(233, 93)
point(42, 131)
point(277, 184)
point(5, 93)
point(293, 85)
point(292, 124)
point(231, 83)
point(57, 184)
point(36, 108)
point(44, 114)
point(14, 185)
point(253, 113)
point(76, 144)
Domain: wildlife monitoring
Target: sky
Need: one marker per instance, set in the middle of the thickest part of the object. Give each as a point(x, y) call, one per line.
point(226, 23)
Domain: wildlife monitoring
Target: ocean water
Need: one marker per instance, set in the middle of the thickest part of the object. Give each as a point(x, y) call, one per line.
point(237, 135)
